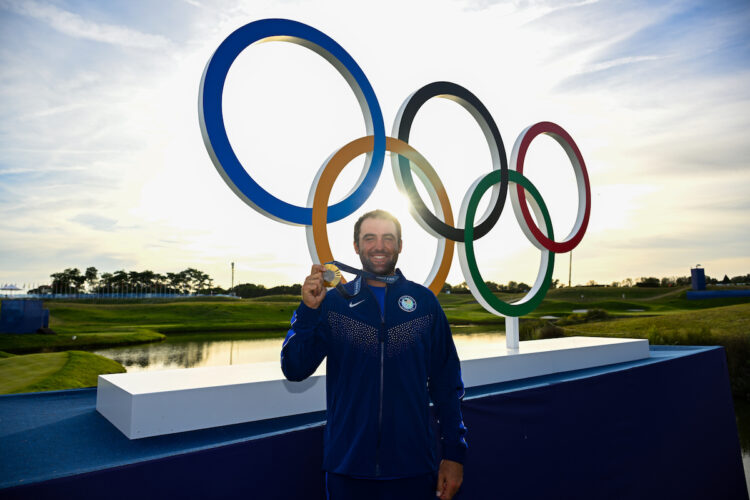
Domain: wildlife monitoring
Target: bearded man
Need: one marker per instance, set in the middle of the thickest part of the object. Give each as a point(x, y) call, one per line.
point(389, 353)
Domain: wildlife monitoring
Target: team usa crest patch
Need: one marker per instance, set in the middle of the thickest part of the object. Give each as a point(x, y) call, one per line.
point(407, 303)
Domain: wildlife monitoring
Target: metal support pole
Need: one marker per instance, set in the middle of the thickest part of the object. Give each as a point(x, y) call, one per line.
point(570, 268)
point(511, 333)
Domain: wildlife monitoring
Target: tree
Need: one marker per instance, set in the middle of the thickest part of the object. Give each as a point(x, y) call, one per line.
point(91, 277)
point(285, 290)
point(105, 283)
point(650, 282)
point(683, 281)
point(186, 280)
point(159, 282)
point(667, 281)
point(175, 282)
point(116, 282)
point(194, 280)
point(249, 290)
point(70, 280)
point(142, 281)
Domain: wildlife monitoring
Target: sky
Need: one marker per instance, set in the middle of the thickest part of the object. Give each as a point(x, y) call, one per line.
point(102, 162)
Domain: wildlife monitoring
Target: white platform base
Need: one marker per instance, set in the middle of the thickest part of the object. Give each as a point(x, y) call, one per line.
point(545, 357)
point(147, 404)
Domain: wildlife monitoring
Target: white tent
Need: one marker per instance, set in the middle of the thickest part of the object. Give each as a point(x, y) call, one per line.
point(9, 288)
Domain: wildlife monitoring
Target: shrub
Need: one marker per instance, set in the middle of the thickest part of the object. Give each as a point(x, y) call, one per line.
point(549, 331)
point(589, 316)
point(537, 329)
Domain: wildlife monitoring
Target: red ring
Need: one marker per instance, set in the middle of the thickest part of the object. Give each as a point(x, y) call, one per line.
point(560, 135)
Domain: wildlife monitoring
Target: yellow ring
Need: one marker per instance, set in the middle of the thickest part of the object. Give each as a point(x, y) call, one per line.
point(321, 192)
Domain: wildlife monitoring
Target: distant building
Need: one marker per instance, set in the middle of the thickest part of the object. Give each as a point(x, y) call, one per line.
point(698, 278)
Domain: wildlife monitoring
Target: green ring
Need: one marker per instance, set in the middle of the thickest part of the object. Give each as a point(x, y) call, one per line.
point(500, 306)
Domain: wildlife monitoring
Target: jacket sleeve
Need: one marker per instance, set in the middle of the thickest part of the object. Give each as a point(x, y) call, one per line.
point(304, 346)
point(447, 389)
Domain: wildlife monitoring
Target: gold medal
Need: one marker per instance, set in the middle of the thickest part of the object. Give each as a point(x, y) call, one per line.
point(331, 276)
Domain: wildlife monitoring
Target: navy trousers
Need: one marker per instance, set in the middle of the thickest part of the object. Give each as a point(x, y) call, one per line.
point(340, 487)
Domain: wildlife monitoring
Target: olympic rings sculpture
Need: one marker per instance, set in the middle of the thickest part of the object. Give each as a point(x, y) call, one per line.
point(317, 213)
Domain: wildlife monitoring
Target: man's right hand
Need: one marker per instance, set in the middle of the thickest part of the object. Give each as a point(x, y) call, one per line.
point(313, 291)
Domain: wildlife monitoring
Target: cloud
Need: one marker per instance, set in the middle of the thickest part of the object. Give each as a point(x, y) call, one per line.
point(601, 66)
point(8, 171)
point(74, 25)
point(96, 222)
point(542, 7)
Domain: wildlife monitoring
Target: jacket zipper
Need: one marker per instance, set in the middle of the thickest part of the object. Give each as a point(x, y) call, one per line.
point(380, 407)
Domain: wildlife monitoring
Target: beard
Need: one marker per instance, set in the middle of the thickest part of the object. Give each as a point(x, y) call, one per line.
point(384, 268)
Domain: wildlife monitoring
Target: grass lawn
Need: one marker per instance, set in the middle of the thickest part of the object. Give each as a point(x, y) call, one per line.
point(176, 316)
point(727, 326)
point(695, 325)
point(53, 371)
point(31, 342)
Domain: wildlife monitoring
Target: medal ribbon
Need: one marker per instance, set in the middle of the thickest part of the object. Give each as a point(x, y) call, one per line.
point(389, 280)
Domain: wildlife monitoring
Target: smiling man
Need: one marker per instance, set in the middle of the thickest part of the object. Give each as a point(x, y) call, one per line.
point(389, 353)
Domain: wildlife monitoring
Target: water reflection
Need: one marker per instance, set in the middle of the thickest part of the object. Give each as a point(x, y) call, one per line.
point(191, 354)
point(177, 353)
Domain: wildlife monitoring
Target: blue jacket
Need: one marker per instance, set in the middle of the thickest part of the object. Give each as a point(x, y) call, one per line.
point(381, 373)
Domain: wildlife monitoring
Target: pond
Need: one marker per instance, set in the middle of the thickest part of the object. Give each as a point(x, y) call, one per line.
point(195, 351)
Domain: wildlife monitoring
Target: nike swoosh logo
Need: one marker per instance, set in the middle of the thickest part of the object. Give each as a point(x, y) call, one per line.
point(355, 304)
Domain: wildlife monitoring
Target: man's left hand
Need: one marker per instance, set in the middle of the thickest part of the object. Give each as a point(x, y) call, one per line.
point(450, 477)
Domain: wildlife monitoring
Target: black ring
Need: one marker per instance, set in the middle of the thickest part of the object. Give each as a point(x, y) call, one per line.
point(480, 113)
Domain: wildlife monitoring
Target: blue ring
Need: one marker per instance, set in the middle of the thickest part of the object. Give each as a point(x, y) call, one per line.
point(217, 141)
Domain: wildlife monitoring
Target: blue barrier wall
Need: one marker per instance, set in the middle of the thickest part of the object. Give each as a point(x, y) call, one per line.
point(717, 294)
point(651, 429)
point(23, 316)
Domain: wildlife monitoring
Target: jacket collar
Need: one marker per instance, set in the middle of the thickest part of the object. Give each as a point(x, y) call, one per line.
point(355, 286)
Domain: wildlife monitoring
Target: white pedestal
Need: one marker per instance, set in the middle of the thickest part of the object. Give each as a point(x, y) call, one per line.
point(144, 404)
point(545, 357)
point(147, 404)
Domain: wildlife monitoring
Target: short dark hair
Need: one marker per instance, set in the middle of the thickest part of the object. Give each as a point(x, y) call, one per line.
point(376, 214)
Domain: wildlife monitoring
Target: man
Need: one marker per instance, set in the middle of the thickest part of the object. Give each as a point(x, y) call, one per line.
point(390, 352)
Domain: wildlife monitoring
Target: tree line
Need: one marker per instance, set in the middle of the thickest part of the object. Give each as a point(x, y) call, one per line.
point(670, 281)
point(73, 281)
point(192, 281)
point(642, 282)
point(511, 287)
point(187, 282)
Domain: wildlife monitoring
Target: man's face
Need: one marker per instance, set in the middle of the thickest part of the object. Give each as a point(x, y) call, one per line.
point(378, 246)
